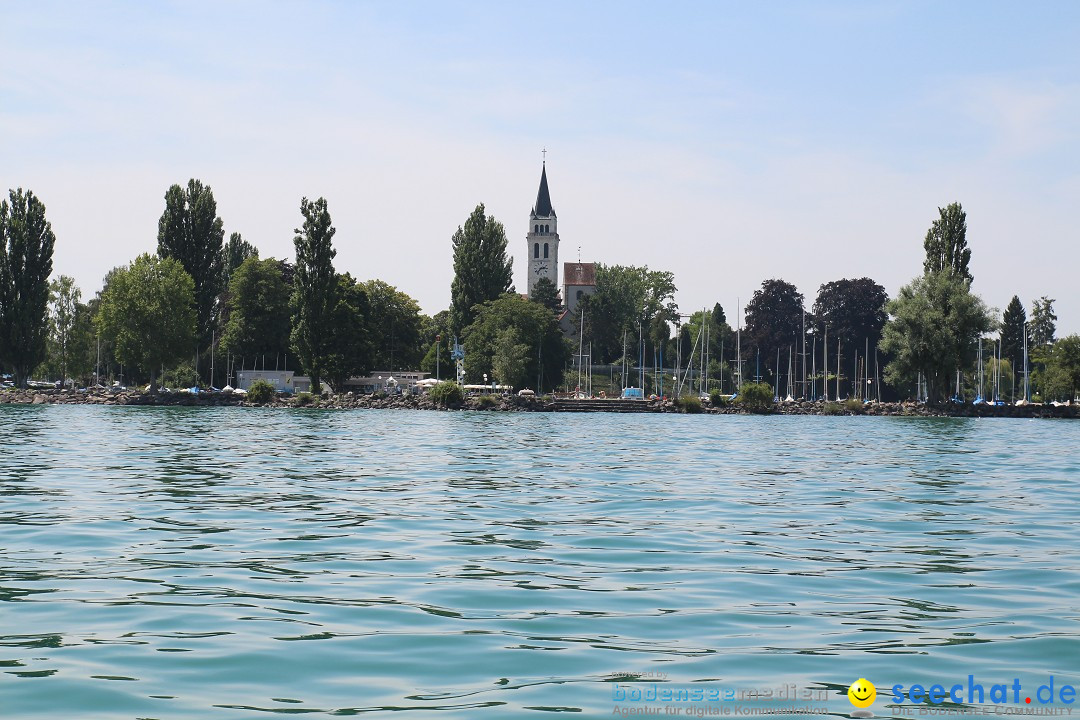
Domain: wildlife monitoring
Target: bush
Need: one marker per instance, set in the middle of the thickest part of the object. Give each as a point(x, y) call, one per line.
point(181, 376)
point(304, 399)
point(688, 404)
point(853, 405)
point(718, 399)
point(756, 397)
point(447, 394)
point(261, 392)
point(486, 402)
point(833, 408)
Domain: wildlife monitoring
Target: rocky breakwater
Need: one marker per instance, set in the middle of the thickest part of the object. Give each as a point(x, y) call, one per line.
point(905, 409)
point(512, 403)
point(347, 401)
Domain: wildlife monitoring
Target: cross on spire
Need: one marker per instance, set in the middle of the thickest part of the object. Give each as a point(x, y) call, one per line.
point(543, 152)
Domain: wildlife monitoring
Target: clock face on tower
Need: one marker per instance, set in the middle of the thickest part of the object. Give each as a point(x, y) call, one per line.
point(541, 269)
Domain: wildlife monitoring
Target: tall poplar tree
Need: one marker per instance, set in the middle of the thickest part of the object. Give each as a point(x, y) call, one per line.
point(946, 242)
point(190, 231)
point(315, 290)
point(482, 269)
point(233, 255)
point(26, 249)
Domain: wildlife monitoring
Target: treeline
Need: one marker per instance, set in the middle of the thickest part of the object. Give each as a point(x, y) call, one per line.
point(202, 306)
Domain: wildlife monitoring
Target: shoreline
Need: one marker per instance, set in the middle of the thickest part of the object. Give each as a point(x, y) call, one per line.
point(518, 404)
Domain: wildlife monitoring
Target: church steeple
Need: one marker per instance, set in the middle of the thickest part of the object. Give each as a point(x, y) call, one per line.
point(543, 198)
point(542, 239)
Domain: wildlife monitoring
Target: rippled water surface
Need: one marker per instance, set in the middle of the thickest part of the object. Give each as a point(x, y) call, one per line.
point(229, 563)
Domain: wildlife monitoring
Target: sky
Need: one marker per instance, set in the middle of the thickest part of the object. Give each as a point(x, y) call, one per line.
point(727, 142)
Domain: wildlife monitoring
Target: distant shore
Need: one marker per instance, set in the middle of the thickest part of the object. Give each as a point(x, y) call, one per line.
point(519, 404)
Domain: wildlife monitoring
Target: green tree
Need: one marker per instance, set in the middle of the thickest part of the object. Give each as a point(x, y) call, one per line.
point(1061, 380)
point(774, 319)
point(349, 348)
point(394, 325)
point(1012, 330)
point(235, 252)
point(190, 232)
point(26, 250)
point(853, 310)
point(1043, 322)
point(314, 297)
point(148, 310)
point(627, 298)
point(258, 310)
point(482, 269)
point(545, 293)
point(934, 328)
point(536, 328)
point(435, 332)
point(64, 302)
point(946, 242)
point(510, 359)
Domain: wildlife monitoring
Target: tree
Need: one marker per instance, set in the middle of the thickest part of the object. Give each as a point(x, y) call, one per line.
point(64, 297)
point(1061, 379)
point(853, 311)
point(482, 269)
point(315, 284)
point(435, 333)
point(26, 250)
point(545, 293)
point(394, 327)
point(774, 319)
point(536, 328)
point(946, 242)
point(236, 251)
point(510, 359)
point(349, 348)
point(1012, 330)
point(190, 231)
point(148, 310)
point(627, 298)
point(258, 310)
point(1043, 322)
point(934, 327)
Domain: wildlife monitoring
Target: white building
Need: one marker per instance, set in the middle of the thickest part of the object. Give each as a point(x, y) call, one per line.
point(282, 380)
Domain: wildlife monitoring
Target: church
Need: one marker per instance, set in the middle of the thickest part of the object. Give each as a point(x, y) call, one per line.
point(578, 278)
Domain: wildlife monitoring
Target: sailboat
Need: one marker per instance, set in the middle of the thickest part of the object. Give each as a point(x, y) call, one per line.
point(776, 379)
point(789, 398)
point(1027, 385)
point(997, 377)
point(957, 396)
point(979, 372)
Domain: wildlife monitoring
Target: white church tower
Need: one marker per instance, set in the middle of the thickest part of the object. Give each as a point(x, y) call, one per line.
point(543, 238)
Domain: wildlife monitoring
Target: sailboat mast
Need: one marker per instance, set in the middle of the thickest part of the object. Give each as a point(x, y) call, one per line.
point(738, 343)
point(838, 356)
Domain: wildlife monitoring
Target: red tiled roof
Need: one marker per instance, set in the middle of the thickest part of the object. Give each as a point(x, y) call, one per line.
point(579, 273)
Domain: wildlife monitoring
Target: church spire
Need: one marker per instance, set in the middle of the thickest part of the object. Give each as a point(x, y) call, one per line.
point(543, 199)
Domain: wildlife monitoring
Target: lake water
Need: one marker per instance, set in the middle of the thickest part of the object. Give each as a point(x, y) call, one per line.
point(234, 563)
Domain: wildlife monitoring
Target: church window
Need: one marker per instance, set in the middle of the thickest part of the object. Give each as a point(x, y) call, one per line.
point(545, 250)
point(579, 294)
point(536, 250)
point(547, 229)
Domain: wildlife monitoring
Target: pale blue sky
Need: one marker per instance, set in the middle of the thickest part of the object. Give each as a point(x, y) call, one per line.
point(727, 142)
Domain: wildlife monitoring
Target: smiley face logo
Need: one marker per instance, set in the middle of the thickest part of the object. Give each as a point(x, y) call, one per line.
point(862, 693)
